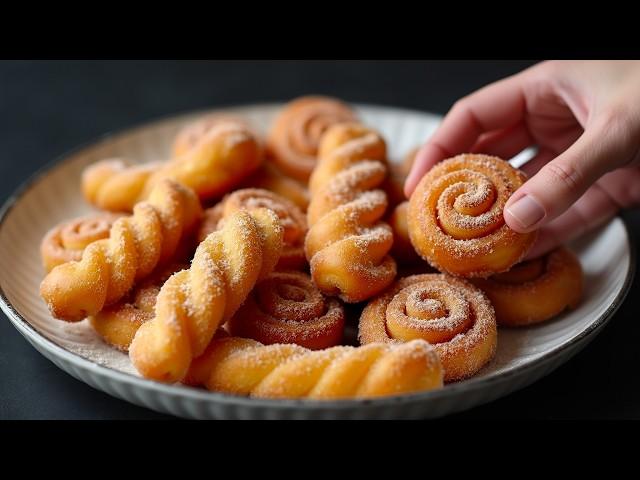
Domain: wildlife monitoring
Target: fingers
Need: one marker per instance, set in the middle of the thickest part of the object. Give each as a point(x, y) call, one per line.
point(559, 183)
point(497, 106)
point(505, 143)
point(543, 157)
point(590, 211)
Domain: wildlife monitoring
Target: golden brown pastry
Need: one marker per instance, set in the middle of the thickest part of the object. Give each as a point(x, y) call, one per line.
point(66, 242)
point(398, 172)
point(402, 249)
point(287, 307)
point(292, 143)
point(270, 178)
point(118, 323)
point(225, 153)
point(348, 244)
point(455, 217)
point(450, 313)
point(536, 290)
point(137, 244)
point(246, 367)
point(291, 217)
point(193, 303)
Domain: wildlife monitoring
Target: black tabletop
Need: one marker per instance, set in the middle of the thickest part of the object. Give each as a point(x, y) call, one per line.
point(50, 107)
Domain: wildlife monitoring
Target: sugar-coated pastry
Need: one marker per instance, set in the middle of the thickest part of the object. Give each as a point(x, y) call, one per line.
point(287, 307)
point(245, 367)
point(402, 249)
point(193, 303)
point(224, 155)
point(348, 244)
point(455, 217)
point(291, 217)
point(193, 132)
point(66, 242)
point(450, 313)
point(292, 143)
point(137, 244)
point(118, 323)
point(536, 290)
point(269, 177)
point(398, 172)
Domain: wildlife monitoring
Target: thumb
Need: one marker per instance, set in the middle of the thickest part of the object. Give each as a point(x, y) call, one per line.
point(561, 182)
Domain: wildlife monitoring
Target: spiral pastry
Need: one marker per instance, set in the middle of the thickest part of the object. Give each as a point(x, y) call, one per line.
point(455, 217)
point(66, 241)
point(287, 307)
point(291, 218)
point(347, 244)
point(449, 313)
point(137, 244)
point(224, 155)
point(245, 367)
point(193, 303)
point(536, 290)
point(268, 177)
point(292, 143)
point(118, 323)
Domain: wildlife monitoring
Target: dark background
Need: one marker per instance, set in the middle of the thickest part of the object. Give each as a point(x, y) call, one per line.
point(47, 108)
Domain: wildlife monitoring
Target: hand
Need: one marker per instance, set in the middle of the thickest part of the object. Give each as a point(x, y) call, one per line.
point(584, 117)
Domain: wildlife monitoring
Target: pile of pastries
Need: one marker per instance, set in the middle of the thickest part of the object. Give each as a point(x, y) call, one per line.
point(228, 266)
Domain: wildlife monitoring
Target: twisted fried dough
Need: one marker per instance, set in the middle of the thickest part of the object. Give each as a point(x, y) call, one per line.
point(137, 244)
point(193, 303)
point(246, 367)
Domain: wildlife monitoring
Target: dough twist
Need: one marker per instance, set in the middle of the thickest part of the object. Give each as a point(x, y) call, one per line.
point(536, 290)
point(347, 244)
point(118, 323)
point(246, 367)
point(455, 216)
point(137, 244)
point(193, 303)
point(66, 242)
point(292, 143)
point(225, 154)
point(287, 307)
point(448, 312)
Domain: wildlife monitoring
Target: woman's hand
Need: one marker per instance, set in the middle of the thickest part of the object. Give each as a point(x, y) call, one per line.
point(584, 117)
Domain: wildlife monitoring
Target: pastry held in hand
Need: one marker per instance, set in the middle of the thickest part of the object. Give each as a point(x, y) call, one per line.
point(193, 303)
point(137, 244)
point(450, 313)
point(66, 242)
point(287, 307)
point(225, 153)
point(293, 221)
point(245, 367)
point(348, 243)
point(536, 290)
point(292, 143)
point(455, 217)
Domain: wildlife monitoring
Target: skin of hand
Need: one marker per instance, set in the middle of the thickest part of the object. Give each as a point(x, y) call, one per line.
point(584, 119)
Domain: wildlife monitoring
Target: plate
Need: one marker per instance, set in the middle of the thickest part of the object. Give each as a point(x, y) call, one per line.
point(52, 195)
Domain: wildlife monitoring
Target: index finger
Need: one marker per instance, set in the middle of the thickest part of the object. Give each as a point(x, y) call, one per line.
point(497, 106)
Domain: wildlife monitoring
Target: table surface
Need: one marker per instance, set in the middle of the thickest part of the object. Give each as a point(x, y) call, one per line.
point(50, 107)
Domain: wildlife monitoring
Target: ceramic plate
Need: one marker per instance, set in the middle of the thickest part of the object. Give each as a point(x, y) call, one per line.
point(53, 195)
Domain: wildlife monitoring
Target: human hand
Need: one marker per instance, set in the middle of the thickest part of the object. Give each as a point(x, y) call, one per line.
point(584, 117)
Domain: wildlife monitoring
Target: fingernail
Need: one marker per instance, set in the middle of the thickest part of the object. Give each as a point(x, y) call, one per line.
point(527, 211)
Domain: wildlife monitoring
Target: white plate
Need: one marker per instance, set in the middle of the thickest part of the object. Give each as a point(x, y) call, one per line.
point(53, 195)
